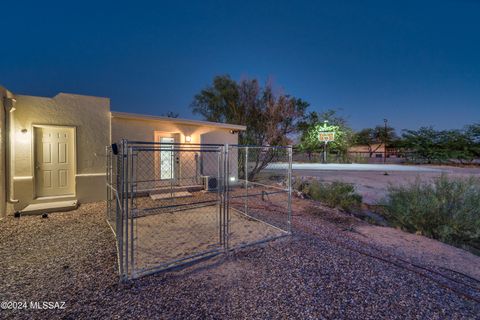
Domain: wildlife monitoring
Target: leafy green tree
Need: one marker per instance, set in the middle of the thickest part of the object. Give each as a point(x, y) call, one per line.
point(424, 142)
point(444, 145)
point(312, 126)
point(220, 102)
point(473, 133)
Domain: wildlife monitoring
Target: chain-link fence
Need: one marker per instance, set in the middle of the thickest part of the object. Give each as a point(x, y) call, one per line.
point(170, 204)
point(258, 199)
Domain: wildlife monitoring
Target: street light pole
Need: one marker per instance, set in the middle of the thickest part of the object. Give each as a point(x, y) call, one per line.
point(325, 143)
point(325, 152)
point(385, 142)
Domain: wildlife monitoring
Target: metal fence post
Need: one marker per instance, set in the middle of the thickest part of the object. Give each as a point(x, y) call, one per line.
point(107, 181)
point(172, 163)
point(226, 195)
point(219, 195)
point(246, 180)
point(290, 189)
point(132, 180)
point(121, 211)
point(125, 202)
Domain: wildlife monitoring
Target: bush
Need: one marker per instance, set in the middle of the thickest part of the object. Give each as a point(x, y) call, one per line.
point(335, 194)
point(447, 209)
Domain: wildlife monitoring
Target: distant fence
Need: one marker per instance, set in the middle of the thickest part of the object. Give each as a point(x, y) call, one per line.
point(349, 157)
point(375, 157)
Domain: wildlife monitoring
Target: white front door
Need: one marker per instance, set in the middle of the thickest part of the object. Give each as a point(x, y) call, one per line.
point(54, 161)
point(167, 170)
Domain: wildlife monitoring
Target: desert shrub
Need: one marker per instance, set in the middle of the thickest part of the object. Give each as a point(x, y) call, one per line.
point(336, 194)
point(447, 209)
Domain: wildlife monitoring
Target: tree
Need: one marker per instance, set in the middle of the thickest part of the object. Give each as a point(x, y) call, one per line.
point(220, 102)
point(472, 131)
point(444, 145)
point(312, 125)
point(374, 138)
point(271, 118)
point(424, 142)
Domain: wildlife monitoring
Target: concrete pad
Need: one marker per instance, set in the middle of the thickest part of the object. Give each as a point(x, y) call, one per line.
point(39, 208)
point(169, 195)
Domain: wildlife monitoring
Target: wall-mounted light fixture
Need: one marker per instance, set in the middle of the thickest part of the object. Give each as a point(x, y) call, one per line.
point(188, 139)
point(22, 137)
point(10, 103)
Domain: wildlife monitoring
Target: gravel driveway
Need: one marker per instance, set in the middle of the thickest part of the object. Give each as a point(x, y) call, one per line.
point(320, 272)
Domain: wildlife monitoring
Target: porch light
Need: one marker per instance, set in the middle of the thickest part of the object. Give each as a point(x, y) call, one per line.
point(22, 137)
point(10, 104)
point(232, 179)
point(188, 139)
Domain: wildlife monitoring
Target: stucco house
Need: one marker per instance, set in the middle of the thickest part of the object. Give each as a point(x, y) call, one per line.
point(53, 149)
point(376, 150)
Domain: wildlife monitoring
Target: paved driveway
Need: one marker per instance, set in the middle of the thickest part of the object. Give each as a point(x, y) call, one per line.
point(353, 167)
point(372, 180)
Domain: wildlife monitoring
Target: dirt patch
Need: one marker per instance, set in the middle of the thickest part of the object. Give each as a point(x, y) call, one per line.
point(166, 237)
point(416, 248)
point(421, 249)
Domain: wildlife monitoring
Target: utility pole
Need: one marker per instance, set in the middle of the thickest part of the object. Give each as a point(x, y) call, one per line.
point(385, 142)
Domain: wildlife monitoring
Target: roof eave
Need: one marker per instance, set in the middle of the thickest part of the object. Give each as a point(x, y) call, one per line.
point(135, 116)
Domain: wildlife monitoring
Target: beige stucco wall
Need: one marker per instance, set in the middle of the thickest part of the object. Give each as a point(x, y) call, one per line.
point(366, 151)
point(189, 161)
point(95, 128)
point(209, 162)
point(91, 118)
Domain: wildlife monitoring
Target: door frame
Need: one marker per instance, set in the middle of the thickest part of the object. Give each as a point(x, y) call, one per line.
point(176, 166)
point(34, 157)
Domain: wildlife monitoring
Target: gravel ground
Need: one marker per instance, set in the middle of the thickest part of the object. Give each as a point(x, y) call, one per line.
point(322, 271)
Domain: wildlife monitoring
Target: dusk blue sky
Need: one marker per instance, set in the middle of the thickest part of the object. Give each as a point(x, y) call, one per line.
point(414, 62)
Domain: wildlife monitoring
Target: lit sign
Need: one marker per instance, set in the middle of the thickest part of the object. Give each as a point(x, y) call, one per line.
point(326, 136)
point(326, 133)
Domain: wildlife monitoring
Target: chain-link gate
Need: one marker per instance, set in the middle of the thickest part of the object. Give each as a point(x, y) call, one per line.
point(170, 203)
